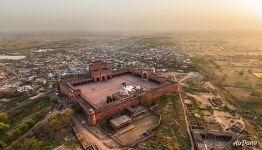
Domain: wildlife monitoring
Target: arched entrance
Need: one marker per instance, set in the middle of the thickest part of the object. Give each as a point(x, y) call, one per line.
point(108, 77)
point(144, 76)
point(103, 78)
point(97, 79)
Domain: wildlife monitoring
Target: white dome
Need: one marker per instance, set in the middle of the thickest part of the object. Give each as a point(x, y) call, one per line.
point(123, 92)
point(91, 111)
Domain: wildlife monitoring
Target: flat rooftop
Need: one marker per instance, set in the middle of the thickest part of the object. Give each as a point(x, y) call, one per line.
point(96, 92)
point(120, 120)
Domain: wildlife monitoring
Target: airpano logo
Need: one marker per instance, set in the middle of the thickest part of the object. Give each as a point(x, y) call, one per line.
point(245, 143)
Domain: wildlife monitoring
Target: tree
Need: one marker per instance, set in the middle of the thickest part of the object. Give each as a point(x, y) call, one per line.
point(59, 120)
point(67, 114)
point(3, 122)
point(55, 122)
point(27, 144)
point(241, 72)
point(109, 99)
point(3, 117)
point(3, 126)
point(217, 66)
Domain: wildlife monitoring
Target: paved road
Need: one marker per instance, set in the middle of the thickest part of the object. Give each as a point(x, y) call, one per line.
point(187, 123)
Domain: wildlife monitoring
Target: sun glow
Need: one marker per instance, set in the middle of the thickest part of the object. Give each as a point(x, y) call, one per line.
point(255, 6)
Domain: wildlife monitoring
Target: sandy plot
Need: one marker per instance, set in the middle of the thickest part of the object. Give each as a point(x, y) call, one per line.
point(202, 99)
point(209, 85)
point(259, 75)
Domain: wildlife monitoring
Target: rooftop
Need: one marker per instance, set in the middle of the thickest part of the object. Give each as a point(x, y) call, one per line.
point(136, 109)
point(120, 120)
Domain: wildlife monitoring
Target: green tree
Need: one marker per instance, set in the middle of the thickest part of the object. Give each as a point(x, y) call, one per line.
point(27, 144)
point(3, 126)
point(3, 117)
point(55, 122)
point(109, 99)
point(3, 122)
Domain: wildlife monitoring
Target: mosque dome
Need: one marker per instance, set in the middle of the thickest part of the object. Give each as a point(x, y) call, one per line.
point(123, 92)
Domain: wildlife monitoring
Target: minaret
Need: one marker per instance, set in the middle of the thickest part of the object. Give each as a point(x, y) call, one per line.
point(91, 117)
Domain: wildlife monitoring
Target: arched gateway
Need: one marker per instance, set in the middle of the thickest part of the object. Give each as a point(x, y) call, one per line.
point(145, 75)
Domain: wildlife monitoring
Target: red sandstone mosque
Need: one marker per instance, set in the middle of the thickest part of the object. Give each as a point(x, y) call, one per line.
point(104, 92)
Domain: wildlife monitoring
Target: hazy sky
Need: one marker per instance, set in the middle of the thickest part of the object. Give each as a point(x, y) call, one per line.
point(40, 15)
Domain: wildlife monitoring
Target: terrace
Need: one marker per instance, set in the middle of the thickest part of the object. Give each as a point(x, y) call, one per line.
point(138, 132)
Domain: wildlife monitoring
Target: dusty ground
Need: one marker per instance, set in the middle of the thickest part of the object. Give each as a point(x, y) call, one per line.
point(202, 99)
point(259, 75)
point(191, 75)
point(209, 85)
point(219, 118)
point(239, 93)
point(225, 119)
point(182, 77)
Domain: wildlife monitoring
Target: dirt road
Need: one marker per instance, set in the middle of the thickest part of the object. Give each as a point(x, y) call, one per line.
point(88, 137)
point(189, 75)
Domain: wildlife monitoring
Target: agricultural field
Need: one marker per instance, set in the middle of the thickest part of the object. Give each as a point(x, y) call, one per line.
point(231, 76)
point(232, 61)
